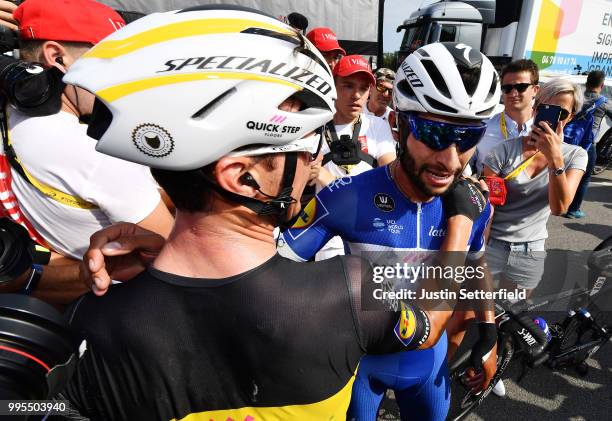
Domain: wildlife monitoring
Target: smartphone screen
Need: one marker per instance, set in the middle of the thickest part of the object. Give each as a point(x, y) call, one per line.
point(548, 113)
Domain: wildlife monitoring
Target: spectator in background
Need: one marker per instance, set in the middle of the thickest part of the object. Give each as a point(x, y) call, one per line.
point(380, 98)
point(592, 97)
point(57, 181)
point(354, 79)
point(542, 176)
point(519, 83)
point(327, 43)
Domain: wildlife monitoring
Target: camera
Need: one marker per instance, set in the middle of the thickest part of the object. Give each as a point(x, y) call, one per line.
point(38, 353)
point(344, 151)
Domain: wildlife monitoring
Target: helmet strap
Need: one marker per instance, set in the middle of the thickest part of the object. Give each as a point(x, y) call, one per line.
point(278, 205)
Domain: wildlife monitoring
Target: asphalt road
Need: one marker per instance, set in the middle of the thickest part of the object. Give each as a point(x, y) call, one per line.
point(563, 395)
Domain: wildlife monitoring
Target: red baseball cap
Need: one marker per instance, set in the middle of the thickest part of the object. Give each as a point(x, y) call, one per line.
point(66, 20)
point(325, 40)
point(349, 65)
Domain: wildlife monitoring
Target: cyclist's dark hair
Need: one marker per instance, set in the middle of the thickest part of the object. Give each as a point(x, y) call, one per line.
point(30, 48)
point(595, 79)
point(523, 65)
point(190, 191)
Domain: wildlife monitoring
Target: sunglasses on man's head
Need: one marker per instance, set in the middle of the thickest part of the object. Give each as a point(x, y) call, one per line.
point(520, 87)
point(440, 135)
point(383, 89)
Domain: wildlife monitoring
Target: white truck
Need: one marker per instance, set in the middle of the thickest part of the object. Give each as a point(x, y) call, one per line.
point(563, 37)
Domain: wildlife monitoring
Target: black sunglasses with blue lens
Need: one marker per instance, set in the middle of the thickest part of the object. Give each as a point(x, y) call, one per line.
point(439, 135)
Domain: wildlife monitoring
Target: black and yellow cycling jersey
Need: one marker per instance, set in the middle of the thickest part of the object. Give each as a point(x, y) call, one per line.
point(280, 342)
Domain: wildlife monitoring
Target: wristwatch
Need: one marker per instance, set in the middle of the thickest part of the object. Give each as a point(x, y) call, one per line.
point(557, 171)
point(35, 275)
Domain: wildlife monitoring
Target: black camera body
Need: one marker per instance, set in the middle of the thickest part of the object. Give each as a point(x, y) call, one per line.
point(344, 151)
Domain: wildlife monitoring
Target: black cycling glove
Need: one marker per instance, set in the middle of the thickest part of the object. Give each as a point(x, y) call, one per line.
point(465, 197)
point(487, 338)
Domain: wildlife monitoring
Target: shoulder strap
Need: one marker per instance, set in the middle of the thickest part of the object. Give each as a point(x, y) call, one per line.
point(51, 192)
point(332, 136)
point(596, 104)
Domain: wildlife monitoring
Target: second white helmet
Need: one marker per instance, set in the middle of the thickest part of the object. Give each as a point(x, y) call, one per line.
point(449, 79)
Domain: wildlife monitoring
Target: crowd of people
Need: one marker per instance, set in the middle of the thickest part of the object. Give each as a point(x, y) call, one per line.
point(228, 177)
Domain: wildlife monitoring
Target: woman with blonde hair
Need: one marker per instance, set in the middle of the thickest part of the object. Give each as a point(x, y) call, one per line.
point(541, 175)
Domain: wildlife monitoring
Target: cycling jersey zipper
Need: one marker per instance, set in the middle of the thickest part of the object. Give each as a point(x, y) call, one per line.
point(418, 226)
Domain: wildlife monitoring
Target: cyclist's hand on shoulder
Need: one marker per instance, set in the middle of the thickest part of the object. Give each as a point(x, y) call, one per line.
point(466, 197)
point(120, 252)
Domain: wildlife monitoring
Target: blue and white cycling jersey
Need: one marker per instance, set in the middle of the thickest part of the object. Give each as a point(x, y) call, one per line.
point(370, 213)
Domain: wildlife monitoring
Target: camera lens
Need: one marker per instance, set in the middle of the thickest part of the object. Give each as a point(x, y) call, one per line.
point(37, 350)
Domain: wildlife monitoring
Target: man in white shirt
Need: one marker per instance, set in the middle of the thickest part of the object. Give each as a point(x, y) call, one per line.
point(519, 83)
point(372, 134)
point(63, 187)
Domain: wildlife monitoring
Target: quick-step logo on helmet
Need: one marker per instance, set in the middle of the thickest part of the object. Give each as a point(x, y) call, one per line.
point(272, 129)
point(411, 76)
point(249, 64)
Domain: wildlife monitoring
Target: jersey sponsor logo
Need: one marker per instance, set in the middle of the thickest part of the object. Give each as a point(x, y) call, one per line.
point(384, 202)
point(248, 64)
point(307, 216)
point(153, 140)
point(313, 212)
point(406, 325)
point(271, 129)
point(440, 232)
point(379, 224)
point(343, 181)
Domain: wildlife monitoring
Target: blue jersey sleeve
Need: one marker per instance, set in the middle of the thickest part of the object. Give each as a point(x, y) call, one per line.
point(477, 242)
point(312, 230)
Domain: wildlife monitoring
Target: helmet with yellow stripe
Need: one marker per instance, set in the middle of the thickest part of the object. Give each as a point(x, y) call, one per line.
point(179, 90)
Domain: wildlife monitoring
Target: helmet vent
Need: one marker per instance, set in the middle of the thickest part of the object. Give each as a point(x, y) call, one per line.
point(436, 77)
point(438, 106)
point(405, 88)
point(493, 87)
point(486, 113)
point(212, 105)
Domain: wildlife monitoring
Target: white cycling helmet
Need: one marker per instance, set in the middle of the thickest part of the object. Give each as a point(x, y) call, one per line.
point(181, 89)
point(449, 79)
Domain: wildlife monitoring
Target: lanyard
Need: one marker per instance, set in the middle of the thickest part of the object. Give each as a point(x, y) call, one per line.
point(502, 125)
point(50, 192)
point(521, 167)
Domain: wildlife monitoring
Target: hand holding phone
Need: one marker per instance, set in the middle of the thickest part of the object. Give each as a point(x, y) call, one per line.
point(497, 190)
point(548, 113)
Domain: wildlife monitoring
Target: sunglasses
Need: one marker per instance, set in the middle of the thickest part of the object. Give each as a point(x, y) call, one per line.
point(383, 89)
point(520, 87)
point(438, 135)
point(563, 113)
